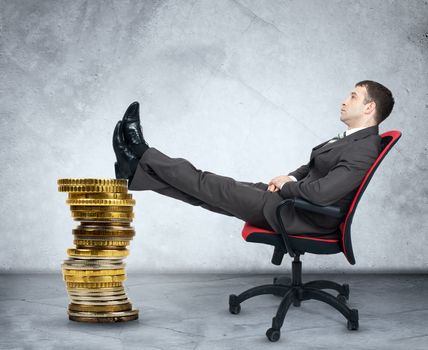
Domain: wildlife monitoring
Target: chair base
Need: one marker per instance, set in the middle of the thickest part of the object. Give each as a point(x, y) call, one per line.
point(293, 291)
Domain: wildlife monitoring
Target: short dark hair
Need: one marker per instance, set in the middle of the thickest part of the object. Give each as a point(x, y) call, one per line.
point(381, 95)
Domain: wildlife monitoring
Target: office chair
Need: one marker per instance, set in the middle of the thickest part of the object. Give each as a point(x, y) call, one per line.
point(292, 290)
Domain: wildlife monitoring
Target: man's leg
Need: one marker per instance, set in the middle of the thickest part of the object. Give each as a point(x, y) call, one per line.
point(156, 184)
point(172, 192)
point(178, 178)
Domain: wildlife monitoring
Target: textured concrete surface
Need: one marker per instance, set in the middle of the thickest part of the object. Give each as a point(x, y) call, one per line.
point(239, 87)
point(191, 312)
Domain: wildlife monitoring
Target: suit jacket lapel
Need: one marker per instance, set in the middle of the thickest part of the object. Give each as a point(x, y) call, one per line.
point(371, 130)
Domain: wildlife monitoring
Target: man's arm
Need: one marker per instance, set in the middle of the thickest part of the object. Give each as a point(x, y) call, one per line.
point(291, 177)
point(344, 177)
point(301, 172)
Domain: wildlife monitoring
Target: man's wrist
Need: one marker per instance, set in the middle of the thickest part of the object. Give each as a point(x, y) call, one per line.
point(291, 177)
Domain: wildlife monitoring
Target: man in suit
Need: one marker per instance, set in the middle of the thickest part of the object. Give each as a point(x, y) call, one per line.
point(331, 177)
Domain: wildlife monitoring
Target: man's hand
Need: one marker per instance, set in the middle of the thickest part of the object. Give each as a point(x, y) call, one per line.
point(276, 182)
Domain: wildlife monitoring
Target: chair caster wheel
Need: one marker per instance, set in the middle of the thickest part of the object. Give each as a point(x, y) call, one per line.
point(273, 334)
point(353, 321)
point(235, 309)
point(234, 306)
point(352, 325)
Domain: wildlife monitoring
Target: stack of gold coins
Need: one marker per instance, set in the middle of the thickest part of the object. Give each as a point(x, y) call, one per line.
point(94, 272)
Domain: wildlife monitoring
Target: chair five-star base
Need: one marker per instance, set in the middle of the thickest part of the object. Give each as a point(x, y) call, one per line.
point(293, 291)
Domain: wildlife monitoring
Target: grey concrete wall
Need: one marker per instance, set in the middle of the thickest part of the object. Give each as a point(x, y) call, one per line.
point(240, 88)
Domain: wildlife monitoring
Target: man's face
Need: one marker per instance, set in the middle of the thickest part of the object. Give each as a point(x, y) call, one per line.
point(352, 108)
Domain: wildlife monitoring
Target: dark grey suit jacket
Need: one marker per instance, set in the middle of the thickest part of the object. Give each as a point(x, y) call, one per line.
point(333, 174)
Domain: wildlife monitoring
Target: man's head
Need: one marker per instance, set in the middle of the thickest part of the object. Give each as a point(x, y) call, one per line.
point(370, 103)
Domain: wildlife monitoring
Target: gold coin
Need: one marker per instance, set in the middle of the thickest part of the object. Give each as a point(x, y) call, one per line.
point(92, 296)
point(94, 279)
point(104, 220)
point(86, 243)
point(100, 208)
point(106, 225)
point(103, 238)
point(93, 285)
point(93, 195)
point(93, 267)
point(76, 214)
point(90, 259)
point(80, 299)
point(98, 298)
point(97, 252)
point(100, 314)
point(100, 292)
point(90, 181)
point(105, 202)
point(104, 231)
point(102, 303)
point(94, 246)
point(110, 319)
point(100, 308)
point(93, 272)
point(92, 188)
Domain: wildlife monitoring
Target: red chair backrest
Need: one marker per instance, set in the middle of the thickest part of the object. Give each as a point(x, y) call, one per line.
point(389, 139)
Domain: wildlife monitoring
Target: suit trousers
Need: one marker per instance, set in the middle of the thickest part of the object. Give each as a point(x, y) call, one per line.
point(180, 179)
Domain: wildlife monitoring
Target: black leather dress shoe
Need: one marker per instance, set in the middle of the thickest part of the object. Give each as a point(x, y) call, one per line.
point(132, 130)
point(127, 161)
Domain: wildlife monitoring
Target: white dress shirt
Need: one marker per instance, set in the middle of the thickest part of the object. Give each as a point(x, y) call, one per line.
point(347, 132)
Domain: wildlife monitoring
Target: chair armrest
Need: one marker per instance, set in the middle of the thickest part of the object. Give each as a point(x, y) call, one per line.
point(326, 210)
point(284, 234)
point(305, 205)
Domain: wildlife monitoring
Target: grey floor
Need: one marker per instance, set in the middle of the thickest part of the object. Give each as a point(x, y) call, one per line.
point(190, 311)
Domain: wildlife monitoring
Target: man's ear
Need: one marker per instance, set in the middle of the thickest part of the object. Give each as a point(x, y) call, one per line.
point(370, 107)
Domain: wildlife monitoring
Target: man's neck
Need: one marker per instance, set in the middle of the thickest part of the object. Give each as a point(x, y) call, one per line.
point(354, 129)
point(361, 125)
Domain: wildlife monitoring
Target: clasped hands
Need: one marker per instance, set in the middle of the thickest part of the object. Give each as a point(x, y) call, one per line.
point(276, 183)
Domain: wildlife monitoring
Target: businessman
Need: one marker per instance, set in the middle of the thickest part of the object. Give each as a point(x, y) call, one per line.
point(332, 175)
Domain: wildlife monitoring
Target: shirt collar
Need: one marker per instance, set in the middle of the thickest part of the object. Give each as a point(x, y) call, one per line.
point(352, 130)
